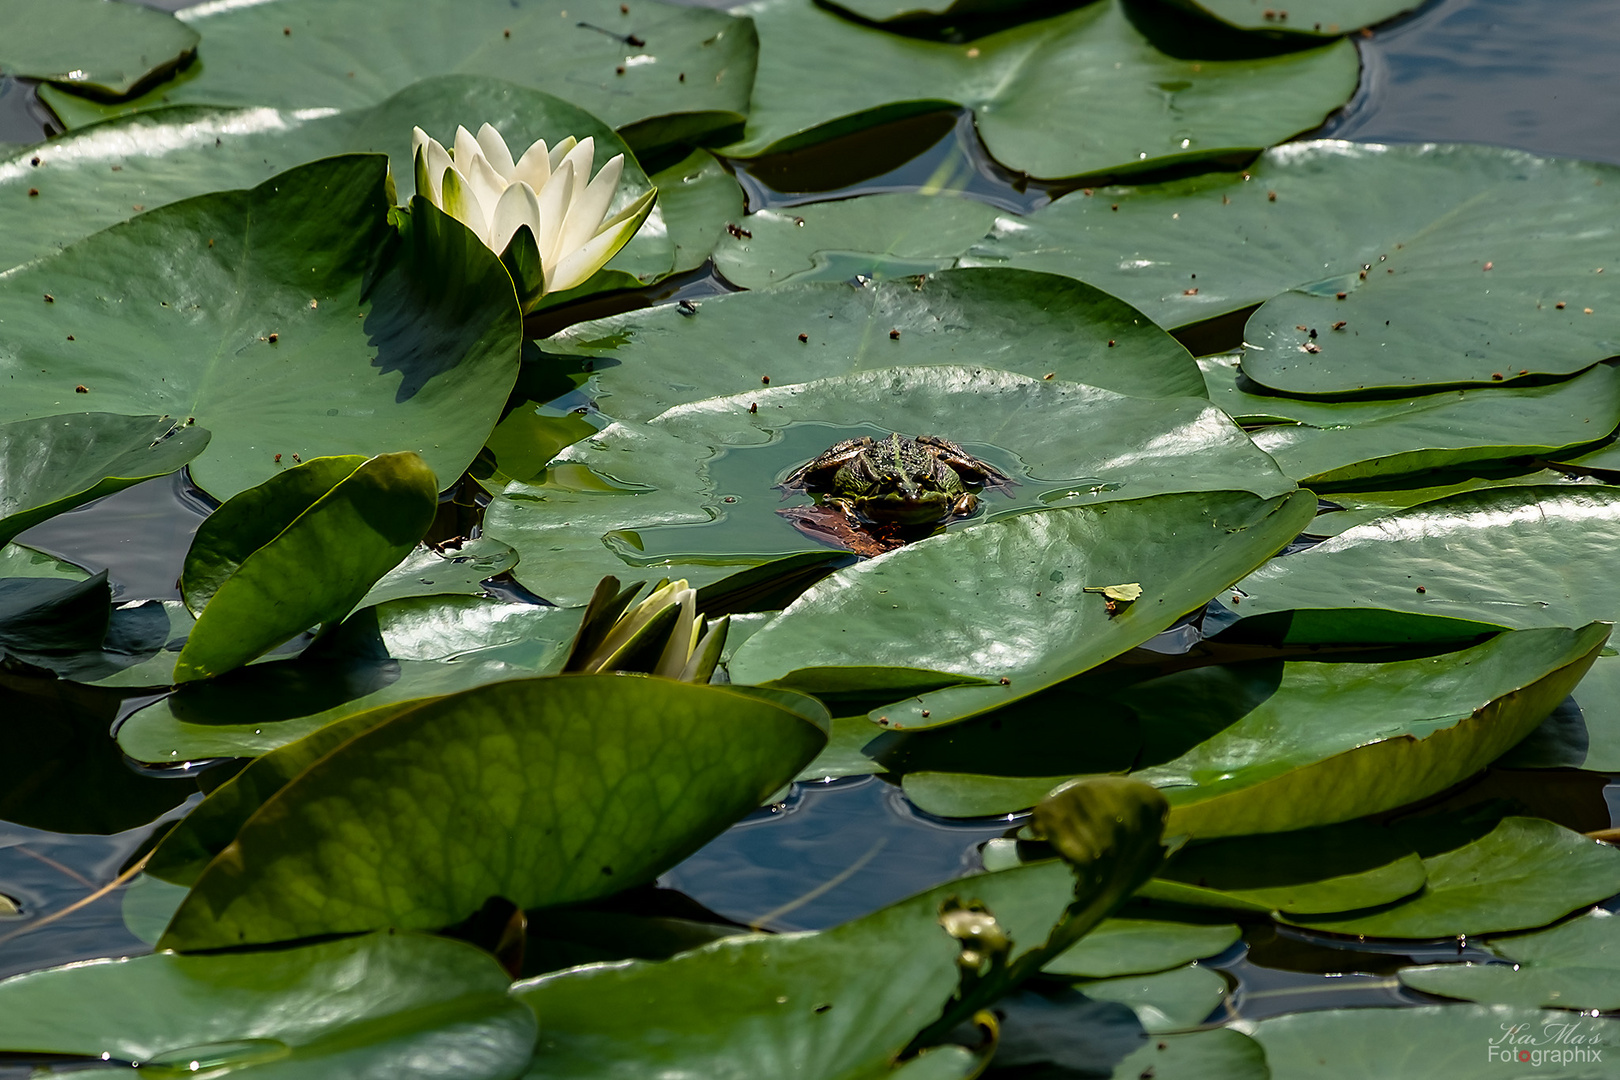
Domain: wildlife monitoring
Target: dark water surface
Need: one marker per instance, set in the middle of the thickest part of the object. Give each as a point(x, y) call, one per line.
point(1538, 75)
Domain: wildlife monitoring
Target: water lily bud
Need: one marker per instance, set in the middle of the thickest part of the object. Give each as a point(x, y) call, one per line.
point(543, 213)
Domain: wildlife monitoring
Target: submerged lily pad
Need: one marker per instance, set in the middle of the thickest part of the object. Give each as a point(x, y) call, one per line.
point(1575, 965)
point(1526, 872)
point(1305, 743)
point(625, 67)
point(262, 334)
point(1081, 93)
point(99, 48)
point(1449, 428)
point(893, 625)
point(889, 235)
point(1435, 214)
point(426, 1006)
point(562, 789)
point(691, 493)
point(88, 180)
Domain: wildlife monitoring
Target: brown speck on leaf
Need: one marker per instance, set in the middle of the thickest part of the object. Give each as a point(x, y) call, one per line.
point(894, 335)
point(925, 714)
point(1339, 325)
point(1113, 206)
point(81, 389)
point(634, 41)
point(1189, 292)
point(138, 207)
point(766, 379)
point(1225, 201)
point(1489, 265)
point(973, 54)
point(295, 458)
point(1524, 371)
point(49, 299)
point(1587, 310)
point(883, 719)
point(70, 337)
point(1312, 347)
point(1496, 376)
point(624, 9)
point(682, 77)
point(1236, 599)
point(1559, 305)
point(1422, 589)
point(506, 33)
point(738, 232)
point(1110, 343)
point(1301, 326)
point(1271, 196)
point(1005, 681)
point(1049, 375)
point(1341, 296)
point(278, 459)
point(804, 338)
point(1362, 274)
point(619, 70)
point(33, 193)
point(753, 407)
point(34, 161)
point(1366, 31)
point(273, 338)
point(210, 241)
point(1087, 192)
point(286, 31)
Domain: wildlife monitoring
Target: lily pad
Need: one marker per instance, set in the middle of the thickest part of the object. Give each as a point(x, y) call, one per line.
point(19, 560)
point(429, 572)
point(1575, 965)
point(1514, 557)
point(54, 463)
point(427, 1006)
point(690, 493)
point(1341, 206)
point(1135, 946)
point(1221, 1054)
point(1524, 873)
point(1301, 20)
point(174, 313)
point(1080, 94)
point(643, 362)
point(1305, 743)
point(1460, 1042)
point(909, 637)
point(888, 235)
point(625, 67)
point(696, 198)
point(564, 789)
point(846, 1001)
point(1450, 428)
point(98, 48)
point(1167, 1000)
point(88, 180)
point(1361, 507)
point(280, 558)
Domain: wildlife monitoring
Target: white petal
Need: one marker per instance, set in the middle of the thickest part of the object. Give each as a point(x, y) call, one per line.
point(583, 153)
point(517, 207)
point(561, 150)
point(495, 151)
point(554, 199)
point(461, 204)
point(486, 183)
point(434, 161)
point(534, 167)
point(579, 265)
point(590, 206)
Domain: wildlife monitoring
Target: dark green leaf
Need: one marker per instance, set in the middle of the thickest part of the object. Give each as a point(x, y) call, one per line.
point(1133, 946)
point(99, 48)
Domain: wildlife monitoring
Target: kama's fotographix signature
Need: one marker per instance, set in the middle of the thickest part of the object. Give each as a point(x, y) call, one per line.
point(1557, 1042)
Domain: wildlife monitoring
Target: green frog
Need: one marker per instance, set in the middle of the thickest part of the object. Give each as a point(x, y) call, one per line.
point(906, 481)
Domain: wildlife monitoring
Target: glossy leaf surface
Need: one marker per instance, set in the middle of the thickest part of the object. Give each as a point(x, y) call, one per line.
point(102, 49)
point(1575, 965)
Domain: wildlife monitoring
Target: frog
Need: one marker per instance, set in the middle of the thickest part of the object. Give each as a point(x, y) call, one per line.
point(921, 481)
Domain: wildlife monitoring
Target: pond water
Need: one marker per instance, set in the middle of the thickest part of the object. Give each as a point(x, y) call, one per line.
point(1532, 74)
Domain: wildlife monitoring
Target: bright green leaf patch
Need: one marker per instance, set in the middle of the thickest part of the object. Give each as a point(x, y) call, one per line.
point(427, 1005)
point(561, 789)
point(893, 624)
point(54, 463)
point(644, 362)
point(692, 493)
point(1292, 745)
point(244, 310)
point(568, 49)
point(273, 562)
point(105, 50)
point(889, 235)
point(1083, 93)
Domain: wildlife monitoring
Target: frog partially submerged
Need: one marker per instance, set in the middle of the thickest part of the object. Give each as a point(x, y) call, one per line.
point(898, 480)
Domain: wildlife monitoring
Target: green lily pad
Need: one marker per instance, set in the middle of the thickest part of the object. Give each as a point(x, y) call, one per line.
point(1575, 965)
point(889, 235)
point(1526, 872)
point(92, 179)
point(1080, 94)
point(1451, 428)
point(428, 1006)
point(605, 781)
point(697, 197)
point(846, 1001)
point(53, 615)
point(930, 11)
point(625, 67)
point(1301, 20)
point(1166, 1000)
point(910, 636)
point(690, 493)
point(643, 362)
point(300, 549)
point(1459, 1042)
point(99, 48)
point(409, 649)
point(1221, 1054)
point(173, 313)
point(1135, 946)
point(1513, 557)
point(19, 560)
point(1341, 206)
point(967, 795)
point(54, 463)
point(428, 572)
point(1308, 871)
point(1305, 743)
point(1361, 507)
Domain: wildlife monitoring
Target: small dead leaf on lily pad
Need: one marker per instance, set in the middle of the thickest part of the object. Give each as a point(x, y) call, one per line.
point(1116, 596)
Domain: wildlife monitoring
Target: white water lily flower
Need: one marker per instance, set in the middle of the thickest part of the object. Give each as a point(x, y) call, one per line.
point(550, 190)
